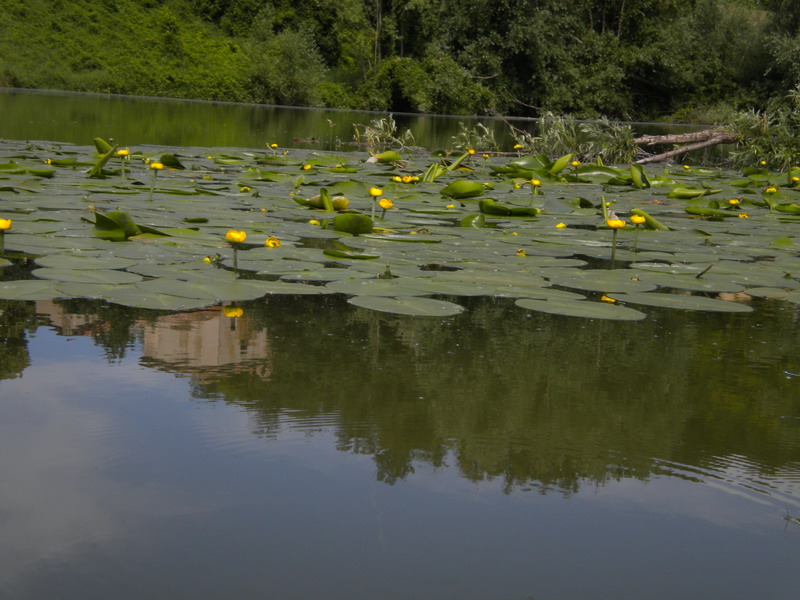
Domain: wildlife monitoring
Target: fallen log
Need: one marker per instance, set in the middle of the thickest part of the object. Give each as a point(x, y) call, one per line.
point(678, 138)
point(718, 138)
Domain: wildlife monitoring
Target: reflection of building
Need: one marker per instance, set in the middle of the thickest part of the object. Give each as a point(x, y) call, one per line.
point(204, 343)
point(199, 343)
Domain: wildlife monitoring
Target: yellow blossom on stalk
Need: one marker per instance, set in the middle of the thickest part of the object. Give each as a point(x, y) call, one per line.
point(561, 226)
point(450, 206)
point(397, 179)
point(306, 167)
point(763, 163)
point(235, 236)
point(5, 224)
point(770, 190)
point(156, 165)
point(263, 210)
point(744, 215)
point(517, 146)
point(485, 156)
point(314, 222)
point(49, 161)
point(244, 188)
point(576, 163)
point(414, 178)
point(124, 152)
point(615, 223)
point(687, 167)
point(796, 179)
point(273, 145)
point(535, 182)
point(406, 179)
point(207, 259)
point(385, 203)
point(521, 252)
point(514, 233)
point(272, 242)
point(734, 201)
point(470, 151)
point(605, 298)
point(232, 311)
point(637, 219)
point(375, 192)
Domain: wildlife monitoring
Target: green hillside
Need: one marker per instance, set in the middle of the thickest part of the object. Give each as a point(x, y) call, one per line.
point(620, 58)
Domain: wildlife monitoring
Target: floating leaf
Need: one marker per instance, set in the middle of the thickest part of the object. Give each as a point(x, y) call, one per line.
point(581, 308)
point(683, 302)
point(417, 307)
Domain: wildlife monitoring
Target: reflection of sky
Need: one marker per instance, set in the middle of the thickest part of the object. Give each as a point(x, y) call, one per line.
point(115, 484)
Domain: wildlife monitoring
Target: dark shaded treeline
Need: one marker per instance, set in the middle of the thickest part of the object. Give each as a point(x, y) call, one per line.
point(620, 58)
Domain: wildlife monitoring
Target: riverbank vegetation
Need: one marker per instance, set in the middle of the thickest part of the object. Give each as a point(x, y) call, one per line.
point(625, 59)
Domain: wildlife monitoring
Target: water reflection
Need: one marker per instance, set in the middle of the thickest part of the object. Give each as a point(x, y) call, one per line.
point(529, 455)
point(535, 402)
point(77, 118)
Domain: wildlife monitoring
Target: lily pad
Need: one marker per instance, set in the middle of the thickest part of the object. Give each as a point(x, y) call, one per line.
point(581, 308)
point(682, 301)
point(413, 306)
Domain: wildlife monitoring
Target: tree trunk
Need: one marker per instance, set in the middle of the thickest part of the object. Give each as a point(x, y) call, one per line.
point(684, 138)
point(720, 138)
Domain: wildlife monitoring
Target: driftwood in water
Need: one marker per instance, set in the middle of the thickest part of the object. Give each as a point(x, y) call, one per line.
point(701, 139)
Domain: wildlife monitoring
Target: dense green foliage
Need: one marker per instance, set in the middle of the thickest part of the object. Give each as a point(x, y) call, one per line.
point(620, 58)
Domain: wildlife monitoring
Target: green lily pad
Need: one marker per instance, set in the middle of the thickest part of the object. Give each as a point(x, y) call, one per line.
point(29, 290)
point(86, 275)
point(581, 308)
point(412, 306)
point(683, 302)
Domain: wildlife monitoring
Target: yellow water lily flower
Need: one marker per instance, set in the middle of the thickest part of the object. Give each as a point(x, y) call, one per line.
point(743, 215)
point(48, 161)
point(123, 152)
point(397, 179)
point(687, 167)
point(244, 188)
point(796, 179)
point(770, 190)
point(273, 145)
point(763, 163)
point(156, 165)
point(561, 226)
point(734, 201)
point(406, 179)
point(272, 242)
point(5, 224)
point(414, 178)
point(232, 311)
point(450, 206)
point(485, 156)
point(637, 219)
point(576, 163)
point(470, 151)
point(535, 182)
point(207, 259)
point(375, 192)
point(306, 167)
point(314, 222)
point(385, 203)
point(514, 233)
point(521, 252)
point(235, 236)
point(615, 223)
point(517, 146)
point(605, 298)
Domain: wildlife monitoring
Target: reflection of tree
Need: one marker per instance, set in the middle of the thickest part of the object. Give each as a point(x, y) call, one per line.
point(15, 319)
point(501, 393)
point(525, 397)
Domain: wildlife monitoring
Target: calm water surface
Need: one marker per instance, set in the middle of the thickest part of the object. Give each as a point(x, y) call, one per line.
point(312, 449)
point(129, 120)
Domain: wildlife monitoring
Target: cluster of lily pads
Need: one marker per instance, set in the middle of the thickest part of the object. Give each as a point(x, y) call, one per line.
point(151, 228)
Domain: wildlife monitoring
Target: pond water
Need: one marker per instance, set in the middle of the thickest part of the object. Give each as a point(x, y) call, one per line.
point(77, 118)
point(311, 448)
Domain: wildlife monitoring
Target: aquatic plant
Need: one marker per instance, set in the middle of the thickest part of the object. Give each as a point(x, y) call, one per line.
point(454, 232)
